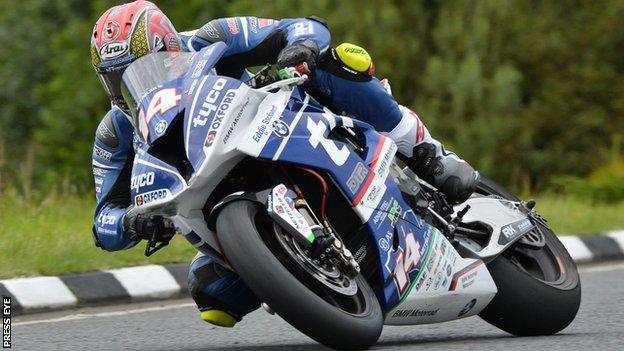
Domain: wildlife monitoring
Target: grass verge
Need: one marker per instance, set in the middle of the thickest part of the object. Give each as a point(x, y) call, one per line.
point(569, 215)
point(53, 236)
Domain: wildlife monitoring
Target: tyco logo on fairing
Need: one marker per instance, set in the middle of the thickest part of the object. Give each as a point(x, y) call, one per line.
point(140, 180)
point(209, 106)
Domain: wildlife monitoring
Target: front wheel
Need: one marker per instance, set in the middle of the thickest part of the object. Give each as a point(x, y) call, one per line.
point(539, 290)
point(258, 250)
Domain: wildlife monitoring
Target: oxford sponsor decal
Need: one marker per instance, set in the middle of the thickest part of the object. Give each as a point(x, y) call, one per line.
point(217, 121)
point(113, 49)
point(151, 196)
point(209, 105)
point(415, 313)
point(141, 180)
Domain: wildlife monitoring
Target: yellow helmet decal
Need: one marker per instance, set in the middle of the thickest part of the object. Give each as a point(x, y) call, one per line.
point(95, 57)
point(354, 57)
point(138, 44)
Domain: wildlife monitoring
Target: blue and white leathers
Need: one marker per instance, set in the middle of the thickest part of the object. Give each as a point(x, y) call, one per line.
point(112, 162)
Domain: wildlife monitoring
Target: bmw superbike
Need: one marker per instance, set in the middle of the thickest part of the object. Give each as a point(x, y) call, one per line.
point(312, 210)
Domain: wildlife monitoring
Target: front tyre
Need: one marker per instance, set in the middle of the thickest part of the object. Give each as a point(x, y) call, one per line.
point(539, 290)
point(248, 238)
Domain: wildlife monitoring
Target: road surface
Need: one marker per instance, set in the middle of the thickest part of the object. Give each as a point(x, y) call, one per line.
point(175, 325)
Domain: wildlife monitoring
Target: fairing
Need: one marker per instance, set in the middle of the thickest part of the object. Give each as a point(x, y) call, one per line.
point(225, 121)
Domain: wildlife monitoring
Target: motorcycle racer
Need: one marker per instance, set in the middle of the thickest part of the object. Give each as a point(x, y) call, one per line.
point(342, 79)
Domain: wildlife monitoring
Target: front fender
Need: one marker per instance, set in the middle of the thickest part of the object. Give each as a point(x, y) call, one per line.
point(254, 196)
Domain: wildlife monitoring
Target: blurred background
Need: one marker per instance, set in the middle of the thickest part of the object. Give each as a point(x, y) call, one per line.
point(530, 92)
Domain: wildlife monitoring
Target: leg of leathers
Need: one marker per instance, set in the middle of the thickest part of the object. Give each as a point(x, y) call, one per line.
point(427, 158)
point(220, 294)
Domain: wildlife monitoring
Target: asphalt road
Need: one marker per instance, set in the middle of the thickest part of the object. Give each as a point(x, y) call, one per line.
point(174, 325)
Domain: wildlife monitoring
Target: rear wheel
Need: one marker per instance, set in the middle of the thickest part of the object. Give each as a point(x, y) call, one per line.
point(539, 291)
point(318, 300)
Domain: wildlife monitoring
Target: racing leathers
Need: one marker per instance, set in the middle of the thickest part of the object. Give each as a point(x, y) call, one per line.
point(342, 84)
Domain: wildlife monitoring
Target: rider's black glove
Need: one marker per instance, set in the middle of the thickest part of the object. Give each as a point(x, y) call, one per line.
point(301, 54)
point(148, 227)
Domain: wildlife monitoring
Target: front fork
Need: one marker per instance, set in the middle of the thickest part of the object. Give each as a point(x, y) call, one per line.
point(292, 212)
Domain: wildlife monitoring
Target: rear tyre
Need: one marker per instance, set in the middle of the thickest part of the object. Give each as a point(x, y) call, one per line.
point(247, 236)
point(539, 291)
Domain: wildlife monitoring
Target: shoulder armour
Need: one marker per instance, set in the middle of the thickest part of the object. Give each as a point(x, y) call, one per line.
point(106, 132)
point(318, 19)
point(212, 32)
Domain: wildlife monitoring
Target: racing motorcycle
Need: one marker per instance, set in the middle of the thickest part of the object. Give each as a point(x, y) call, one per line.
point(315, 214)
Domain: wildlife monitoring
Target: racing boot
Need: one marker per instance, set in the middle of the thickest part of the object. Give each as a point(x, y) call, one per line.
point(426, 157)
point(220, 294)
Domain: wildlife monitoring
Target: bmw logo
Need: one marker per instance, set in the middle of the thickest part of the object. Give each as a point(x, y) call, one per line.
point(467, 308)
point(280, 129)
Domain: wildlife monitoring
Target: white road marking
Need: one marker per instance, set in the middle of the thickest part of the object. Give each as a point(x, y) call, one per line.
point(602, 268)
point(80, 316)
point(618, 236)
point(147, 281)
point(39, 292)
point(577, 248)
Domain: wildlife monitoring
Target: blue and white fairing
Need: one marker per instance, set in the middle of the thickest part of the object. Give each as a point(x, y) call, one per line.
point(423, 262)
point(424, 278)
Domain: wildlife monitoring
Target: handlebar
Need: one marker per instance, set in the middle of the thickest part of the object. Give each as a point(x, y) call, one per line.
point(265, 81)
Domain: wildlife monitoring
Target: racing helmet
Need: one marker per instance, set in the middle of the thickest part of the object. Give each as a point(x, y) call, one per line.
point(124, 33)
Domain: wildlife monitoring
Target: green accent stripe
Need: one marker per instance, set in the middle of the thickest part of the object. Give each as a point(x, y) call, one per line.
point(311, 237)
point(423, 266)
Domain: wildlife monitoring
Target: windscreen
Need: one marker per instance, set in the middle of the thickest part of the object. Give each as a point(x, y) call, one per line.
point(148, 72)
